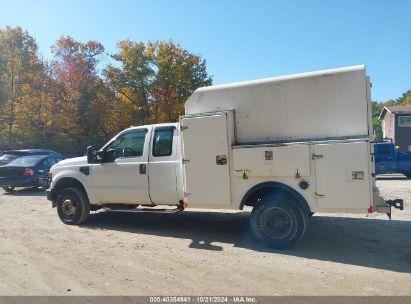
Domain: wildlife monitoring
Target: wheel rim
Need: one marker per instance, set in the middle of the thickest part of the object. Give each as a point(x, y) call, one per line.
point(277, 223)
point(68, 207)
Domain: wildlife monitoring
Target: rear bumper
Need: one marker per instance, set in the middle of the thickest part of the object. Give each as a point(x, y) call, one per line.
point(24, 181)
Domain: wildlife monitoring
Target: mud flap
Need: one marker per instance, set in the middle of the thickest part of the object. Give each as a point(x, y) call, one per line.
point(384, 209)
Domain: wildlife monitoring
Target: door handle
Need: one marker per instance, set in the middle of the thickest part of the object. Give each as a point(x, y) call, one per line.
point(143, 168)
point(316, 156)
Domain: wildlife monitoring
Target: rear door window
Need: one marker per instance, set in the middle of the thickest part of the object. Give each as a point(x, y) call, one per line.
point(47, 163)
point(163, 141)
point(53, 161)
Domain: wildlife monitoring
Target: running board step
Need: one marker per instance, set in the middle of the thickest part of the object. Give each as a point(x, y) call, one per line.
point(165, 210)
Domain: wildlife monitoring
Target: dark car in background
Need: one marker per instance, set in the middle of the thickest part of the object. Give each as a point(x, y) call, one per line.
point(10, 155)
point(27, 171)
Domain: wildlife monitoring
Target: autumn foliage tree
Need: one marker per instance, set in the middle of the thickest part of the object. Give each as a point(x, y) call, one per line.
point(20, 81)
point(155, 79)
point(66, 104)
point(80, 96)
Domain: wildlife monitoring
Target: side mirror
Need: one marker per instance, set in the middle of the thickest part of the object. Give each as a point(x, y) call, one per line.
point(92, 154)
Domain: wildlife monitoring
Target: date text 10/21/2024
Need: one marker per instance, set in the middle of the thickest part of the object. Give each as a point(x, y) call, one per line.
point(202, 299)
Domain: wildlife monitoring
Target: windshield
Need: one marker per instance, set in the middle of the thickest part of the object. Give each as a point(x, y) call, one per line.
point(25, 161)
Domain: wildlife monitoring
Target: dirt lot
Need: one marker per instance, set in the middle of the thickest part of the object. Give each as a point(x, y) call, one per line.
point(194, 253)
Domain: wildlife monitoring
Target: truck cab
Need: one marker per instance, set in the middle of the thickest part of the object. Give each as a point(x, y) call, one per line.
point(153, 151)
point(139, 166)
point(385, 158)
point(389, 160)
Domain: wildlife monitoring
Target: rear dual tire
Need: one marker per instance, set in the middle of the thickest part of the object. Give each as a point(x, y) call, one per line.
point(278, 222)
point(73, 207)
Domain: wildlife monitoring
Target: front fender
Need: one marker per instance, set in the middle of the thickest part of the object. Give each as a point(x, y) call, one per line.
point(75, 173)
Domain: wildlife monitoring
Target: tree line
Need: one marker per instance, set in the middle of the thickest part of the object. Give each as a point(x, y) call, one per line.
point(74, 100)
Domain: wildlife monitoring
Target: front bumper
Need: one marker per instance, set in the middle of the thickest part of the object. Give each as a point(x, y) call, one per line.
point(48, 194)
point(50, 197)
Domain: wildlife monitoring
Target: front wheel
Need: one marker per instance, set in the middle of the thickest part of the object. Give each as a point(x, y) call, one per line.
point(278, 222)
point(73, 207)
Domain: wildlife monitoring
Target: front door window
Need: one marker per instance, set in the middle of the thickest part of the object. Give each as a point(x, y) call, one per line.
point(130, 144)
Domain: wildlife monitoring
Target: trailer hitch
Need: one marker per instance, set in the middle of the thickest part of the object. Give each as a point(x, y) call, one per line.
point(397, 203)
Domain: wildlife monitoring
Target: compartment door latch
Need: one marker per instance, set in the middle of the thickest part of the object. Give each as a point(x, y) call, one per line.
point(317, 156)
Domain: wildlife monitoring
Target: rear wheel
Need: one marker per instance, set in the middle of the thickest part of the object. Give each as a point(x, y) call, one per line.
point(8, 189)
point(278, 222)
point(73, 207)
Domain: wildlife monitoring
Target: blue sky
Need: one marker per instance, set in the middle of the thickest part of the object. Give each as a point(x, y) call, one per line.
point(241, 40)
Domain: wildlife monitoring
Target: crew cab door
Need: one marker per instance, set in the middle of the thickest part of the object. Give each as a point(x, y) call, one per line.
point(162, 167)
point(122, 177)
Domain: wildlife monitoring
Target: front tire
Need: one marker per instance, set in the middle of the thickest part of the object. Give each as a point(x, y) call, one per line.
point(73, 207)
point(278, 222)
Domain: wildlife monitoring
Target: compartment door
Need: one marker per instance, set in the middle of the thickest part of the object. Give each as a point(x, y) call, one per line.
point(205, 159)
point(343, 175)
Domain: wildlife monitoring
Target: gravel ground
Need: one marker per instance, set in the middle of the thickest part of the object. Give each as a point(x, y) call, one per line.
point(197, 252)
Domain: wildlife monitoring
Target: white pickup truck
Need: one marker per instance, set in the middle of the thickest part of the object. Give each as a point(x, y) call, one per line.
point(286, 146)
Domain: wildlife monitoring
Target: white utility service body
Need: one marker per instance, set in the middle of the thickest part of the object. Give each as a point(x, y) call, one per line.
point(304, 137)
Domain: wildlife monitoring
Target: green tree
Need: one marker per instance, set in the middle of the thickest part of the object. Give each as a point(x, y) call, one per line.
point(405, 99)
point(131, 82)
point(376, 111)
point(154, 79)
point(178, 74)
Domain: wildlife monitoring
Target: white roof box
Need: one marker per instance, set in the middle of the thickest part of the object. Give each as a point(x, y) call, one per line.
point(318, 105)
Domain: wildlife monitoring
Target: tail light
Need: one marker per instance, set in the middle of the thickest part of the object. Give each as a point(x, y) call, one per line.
point(28, 172)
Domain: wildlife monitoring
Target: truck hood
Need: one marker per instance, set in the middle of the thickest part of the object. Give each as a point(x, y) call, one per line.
point(76, 161)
